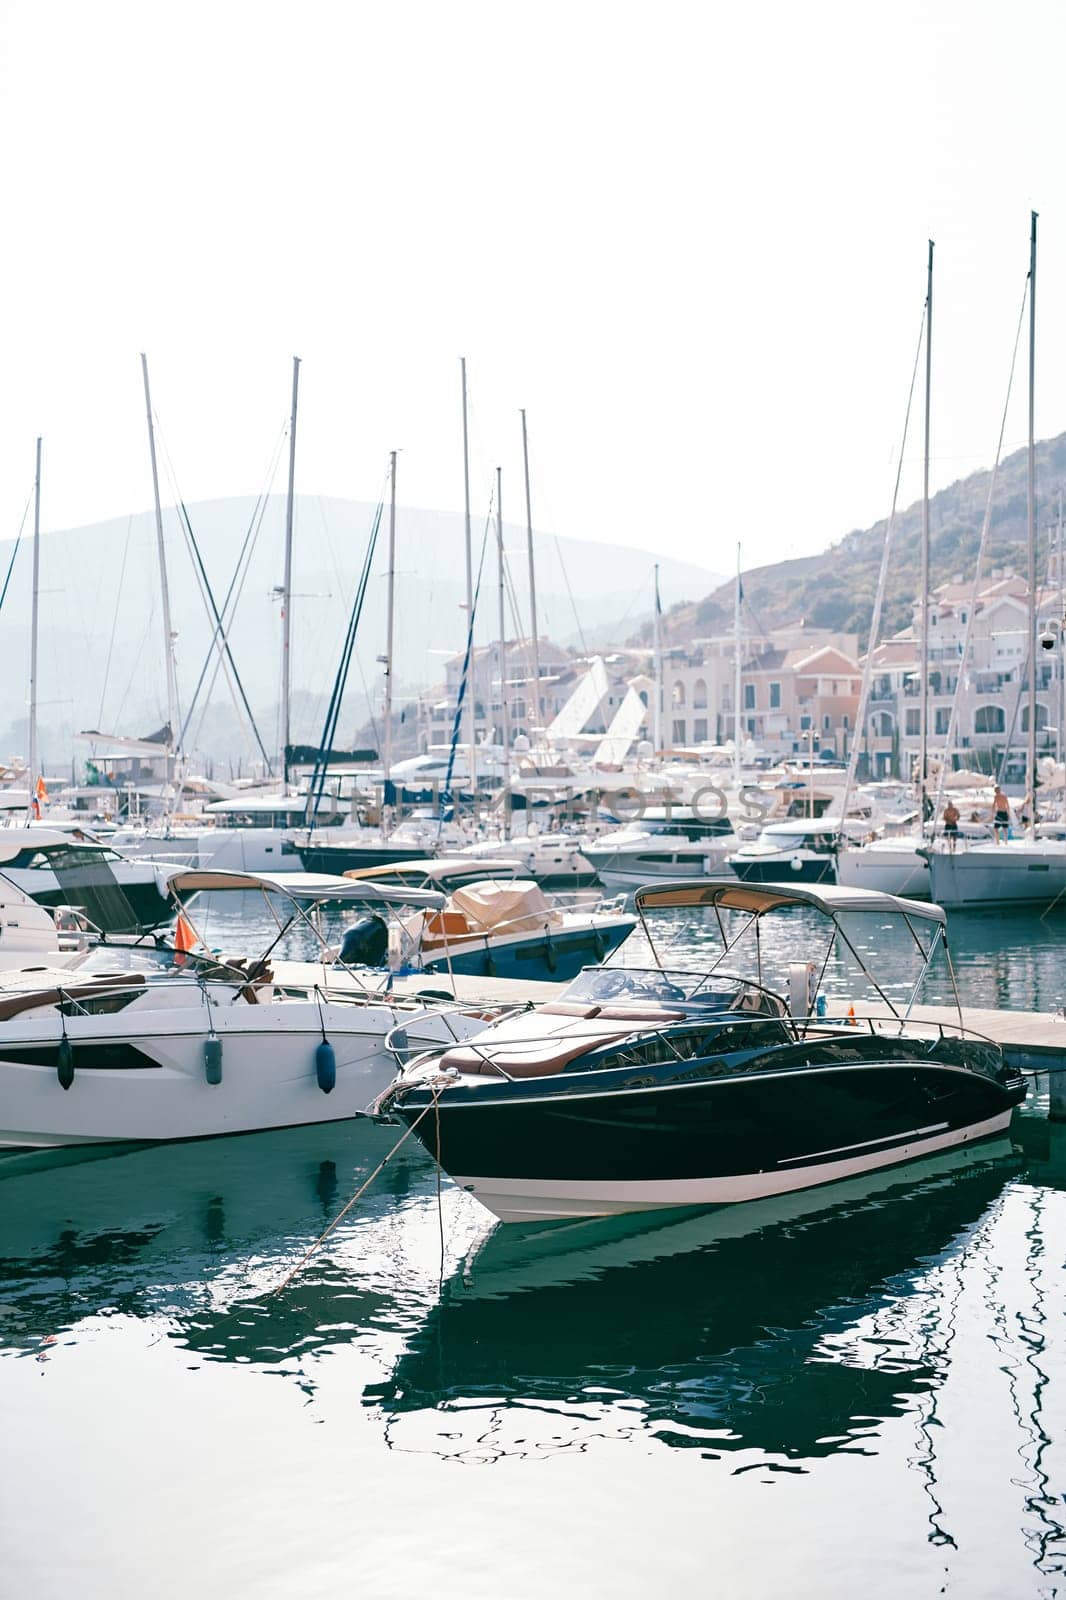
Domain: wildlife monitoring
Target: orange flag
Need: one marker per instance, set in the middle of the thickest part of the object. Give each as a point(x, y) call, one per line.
point(40, 789)
point(184, 939)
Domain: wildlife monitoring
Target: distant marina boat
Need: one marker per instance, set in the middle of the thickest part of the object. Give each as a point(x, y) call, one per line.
point(58, 867)
point(1016, 872)
point(665, 846)
point(800, 850)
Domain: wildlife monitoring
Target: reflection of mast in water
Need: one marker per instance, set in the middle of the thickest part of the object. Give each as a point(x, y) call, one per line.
point(1041, 1541)
point(1035, 1438)
point(939, 1361)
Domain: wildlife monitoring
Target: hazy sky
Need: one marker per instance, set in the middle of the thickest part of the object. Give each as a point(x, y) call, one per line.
point(690, 239)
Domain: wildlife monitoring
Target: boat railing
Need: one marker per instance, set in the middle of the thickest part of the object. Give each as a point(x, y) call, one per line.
point(933, 1032)
point(81, 998)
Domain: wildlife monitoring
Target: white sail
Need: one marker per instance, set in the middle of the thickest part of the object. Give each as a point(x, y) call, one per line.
point(625, 725)
point(582, 704)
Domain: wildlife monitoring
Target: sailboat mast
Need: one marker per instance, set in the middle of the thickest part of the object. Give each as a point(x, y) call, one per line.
point(737, 675)
point(505, 710)
point(286, 593)
point(535, 718)
point(389, 618)
point(1030, 755)
point(173, 714)
point(1061, 574)
point(657, 705)
point(1061, 639)
point(34, 754)
point(471, 726)
point(923, 710)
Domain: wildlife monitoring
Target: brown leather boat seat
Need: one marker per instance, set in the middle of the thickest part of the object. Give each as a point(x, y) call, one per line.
point(37, 999)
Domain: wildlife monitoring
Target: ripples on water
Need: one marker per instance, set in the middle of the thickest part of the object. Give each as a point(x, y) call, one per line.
point(857, 1390)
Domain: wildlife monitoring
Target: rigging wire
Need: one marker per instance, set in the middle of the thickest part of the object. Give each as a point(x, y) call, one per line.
point(953, 718)
point(329, 730)
point(14, 553)
point(879, 597)
point(114, 622)
point(235, 591)
point(340, 590)
point(208, 596)
point(446, 794)
point(570, 593)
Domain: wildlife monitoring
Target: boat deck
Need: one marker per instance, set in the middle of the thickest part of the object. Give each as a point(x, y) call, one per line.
point(1034, 1041)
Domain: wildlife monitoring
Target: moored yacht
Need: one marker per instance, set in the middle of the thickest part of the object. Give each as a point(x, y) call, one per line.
point(70, 867)
point(660, 1087)
point(1018, 871)
point(798, 850)
point(217, 1048)
point(666, 845)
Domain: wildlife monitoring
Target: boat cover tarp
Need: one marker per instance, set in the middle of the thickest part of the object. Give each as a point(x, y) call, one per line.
point(520, 904)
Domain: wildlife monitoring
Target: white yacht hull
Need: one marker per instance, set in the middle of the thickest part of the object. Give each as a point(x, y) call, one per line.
point(156, 1086)
point(1020, 871)
point(631, 869)
point(896, 869)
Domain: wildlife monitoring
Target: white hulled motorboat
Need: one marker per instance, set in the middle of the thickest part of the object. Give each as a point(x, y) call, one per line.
point(70, 867)
point(32, 937)
point(218, 1048)
point(666, 845)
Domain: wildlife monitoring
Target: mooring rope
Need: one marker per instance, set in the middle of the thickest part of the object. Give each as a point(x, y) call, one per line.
point(363, 1187)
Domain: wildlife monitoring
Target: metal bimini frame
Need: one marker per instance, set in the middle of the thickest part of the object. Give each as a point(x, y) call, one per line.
point(832, 901)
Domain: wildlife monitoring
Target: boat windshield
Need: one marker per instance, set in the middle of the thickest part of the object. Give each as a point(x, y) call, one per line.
point(652, 986)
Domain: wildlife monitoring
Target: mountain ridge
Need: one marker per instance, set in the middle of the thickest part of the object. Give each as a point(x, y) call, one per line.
point(835, 588)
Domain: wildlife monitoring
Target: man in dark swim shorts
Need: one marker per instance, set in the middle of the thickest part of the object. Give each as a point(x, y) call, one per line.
point(1000, 814)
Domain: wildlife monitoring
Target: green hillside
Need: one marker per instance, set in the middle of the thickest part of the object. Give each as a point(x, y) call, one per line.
point(836, 588)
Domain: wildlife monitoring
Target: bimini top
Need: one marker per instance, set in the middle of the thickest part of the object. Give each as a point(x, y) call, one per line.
point(13, 841)
point(304, 887)
point(436, 869)
point(757, 898)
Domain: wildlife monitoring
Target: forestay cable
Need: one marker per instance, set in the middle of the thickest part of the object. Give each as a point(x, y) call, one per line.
point(879, 597)
point(953, 720)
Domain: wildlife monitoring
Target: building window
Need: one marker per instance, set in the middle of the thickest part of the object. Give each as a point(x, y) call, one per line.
point(805, 723)
point(943, 717)
point(989, 719)
point(826, 723)
point(749, 697)
point(1041, 717)
point(699, 730)
point(914, 722)
point(845, 723)
point(775, 697)
point(679, 693)
point(679, 730)
point(699, 694)
point(751, 724)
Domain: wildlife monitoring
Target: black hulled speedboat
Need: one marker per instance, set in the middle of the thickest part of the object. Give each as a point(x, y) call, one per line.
point(643, 1088)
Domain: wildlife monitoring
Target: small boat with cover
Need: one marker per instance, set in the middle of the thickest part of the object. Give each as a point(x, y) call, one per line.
point(643, 1088)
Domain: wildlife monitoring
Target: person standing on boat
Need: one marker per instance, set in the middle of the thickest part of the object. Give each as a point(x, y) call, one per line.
point(951, 825)
point(1000, 814)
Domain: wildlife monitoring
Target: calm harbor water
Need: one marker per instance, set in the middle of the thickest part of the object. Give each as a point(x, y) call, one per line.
point(861, 1390)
